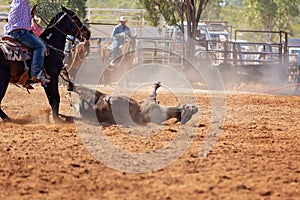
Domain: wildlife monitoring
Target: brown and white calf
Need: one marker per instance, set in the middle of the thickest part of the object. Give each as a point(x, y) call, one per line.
point(93, 104)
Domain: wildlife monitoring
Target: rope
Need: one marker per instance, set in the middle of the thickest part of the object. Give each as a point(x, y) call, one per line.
point(279, 88)
point(64, 70)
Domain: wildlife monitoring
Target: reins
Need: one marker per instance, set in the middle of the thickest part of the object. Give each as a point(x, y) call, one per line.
point(58, 51)
point(64, 70)
point(78, 33)
point(54, 25)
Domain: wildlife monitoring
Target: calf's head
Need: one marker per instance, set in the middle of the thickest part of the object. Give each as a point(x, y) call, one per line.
point(74, 101)
point(187, 111)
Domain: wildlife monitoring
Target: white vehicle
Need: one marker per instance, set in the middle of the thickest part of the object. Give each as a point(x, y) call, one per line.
point(293, 49)
point(294, 52)
point(202, 35)
point(202, 32)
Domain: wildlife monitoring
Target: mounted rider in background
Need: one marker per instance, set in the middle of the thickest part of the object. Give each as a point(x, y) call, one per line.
point(119, 34)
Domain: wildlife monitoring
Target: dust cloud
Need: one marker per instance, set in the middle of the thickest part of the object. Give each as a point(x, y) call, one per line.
point(200, 73)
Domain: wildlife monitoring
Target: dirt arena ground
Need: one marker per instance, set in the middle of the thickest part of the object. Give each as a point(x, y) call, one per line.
point(257, 155)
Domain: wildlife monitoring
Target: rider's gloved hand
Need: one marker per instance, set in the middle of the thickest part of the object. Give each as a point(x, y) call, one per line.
point(122, 34)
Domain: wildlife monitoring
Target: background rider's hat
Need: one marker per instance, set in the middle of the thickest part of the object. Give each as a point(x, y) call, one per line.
point(122, 19)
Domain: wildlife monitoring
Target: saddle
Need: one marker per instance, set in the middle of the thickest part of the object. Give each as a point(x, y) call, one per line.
point(13, 50)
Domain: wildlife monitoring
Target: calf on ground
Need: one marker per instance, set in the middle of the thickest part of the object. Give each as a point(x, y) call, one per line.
point(93, 104)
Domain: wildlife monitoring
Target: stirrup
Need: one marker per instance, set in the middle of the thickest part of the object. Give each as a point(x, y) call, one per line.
point(45, 74)
point(44, 79)
point(28, 85)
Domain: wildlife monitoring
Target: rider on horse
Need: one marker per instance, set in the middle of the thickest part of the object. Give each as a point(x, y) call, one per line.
point(14, 59)
point(18, 26)
point(119, 33)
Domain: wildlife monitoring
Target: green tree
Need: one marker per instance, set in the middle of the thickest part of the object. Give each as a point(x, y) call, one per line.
point(271, 14)
point(214, 9)
point(124, 4)
point(183, 13)
point(78, 6)
point(176, 12)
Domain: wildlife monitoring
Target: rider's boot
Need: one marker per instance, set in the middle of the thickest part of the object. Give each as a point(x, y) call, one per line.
point(40, 78)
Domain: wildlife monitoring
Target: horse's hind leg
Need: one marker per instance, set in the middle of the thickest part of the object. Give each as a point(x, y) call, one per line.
point(3, 87)
point(4, 81)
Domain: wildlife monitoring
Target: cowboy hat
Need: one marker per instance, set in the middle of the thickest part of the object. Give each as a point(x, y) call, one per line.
point(123, 19)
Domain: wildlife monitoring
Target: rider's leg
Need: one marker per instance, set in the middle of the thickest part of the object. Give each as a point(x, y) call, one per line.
point(28, 39)
point(115, 46)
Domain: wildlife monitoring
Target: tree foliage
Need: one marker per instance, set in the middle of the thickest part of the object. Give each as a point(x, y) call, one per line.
point(271, 14)
point(124, 4)
point(176, 12)
point(157, 9)
point(78, 6)
point(183, 13)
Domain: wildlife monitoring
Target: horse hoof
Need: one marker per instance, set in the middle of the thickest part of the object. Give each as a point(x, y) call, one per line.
point(58, 120)
point(62, 119)
point(7, 119)
point(66, 119)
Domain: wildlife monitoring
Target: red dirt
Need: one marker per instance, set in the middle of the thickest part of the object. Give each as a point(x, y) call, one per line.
point(257, 155)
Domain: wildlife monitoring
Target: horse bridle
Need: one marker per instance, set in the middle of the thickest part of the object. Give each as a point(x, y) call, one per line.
point(78, 34)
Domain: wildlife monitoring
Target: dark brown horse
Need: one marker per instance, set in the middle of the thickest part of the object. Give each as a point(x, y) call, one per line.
point(62, 24)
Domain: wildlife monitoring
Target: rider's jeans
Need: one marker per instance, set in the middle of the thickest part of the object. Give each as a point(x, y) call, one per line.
point(28, 39)
point(115, 46)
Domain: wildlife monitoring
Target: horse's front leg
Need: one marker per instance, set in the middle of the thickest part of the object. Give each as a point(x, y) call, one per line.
point(3, 88)
point(3, 116)
point(52, 92)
